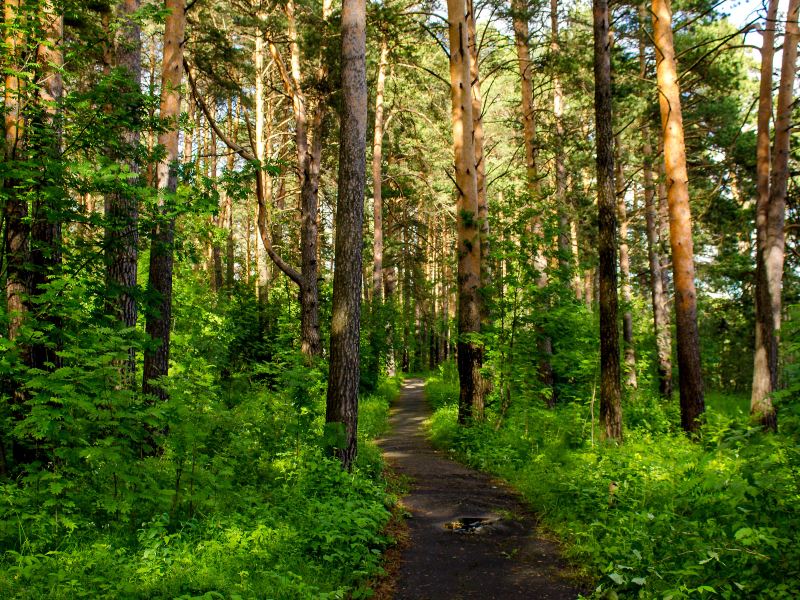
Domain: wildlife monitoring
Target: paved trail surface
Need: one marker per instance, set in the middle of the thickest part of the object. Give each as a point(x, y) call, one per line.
point(503, 560)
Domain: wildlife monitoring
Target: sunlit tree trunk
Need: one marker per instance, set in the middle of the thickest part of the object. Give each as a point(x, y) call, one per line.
point(377, 178)
point(564, 246)
point(156, 360)
point(480, 158)
point(763, 376)
point(691, 378)
point(661, 326)
point(468, 246)
point(610, 407)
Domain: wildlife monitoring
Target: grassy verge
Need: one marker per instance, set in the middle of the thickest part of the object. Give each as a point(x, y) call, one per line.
point(659, 516)
point(260, 513)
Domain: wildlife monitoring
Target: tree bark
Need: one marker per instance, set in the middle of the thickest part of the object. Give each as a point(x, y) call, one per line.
point(691, 378)
point(610, 406)
point(661, 326)
point(470, 405)
point(625, 271)
point(342, 400)
point(760, 402)
point(156, 360)
point(520, 24)
point(308, 168)
point(377, 179)
point(17, 242)
point(49, 200)
point(480, 158)
point(772, 184)
point(564, 247)
point(121, 205)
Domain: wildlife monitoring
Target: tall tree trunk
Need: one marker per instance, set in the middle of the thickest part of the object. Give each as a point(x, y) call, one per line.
point(520, 23)
point(760, 401)
point(691, 378)
point(308, 169)
point(564, 246)
point(661, 326)
point(377, 179)
point(480, 158)
point(17, 228)
point(468, 249)
point(625, 271)
point(49, 200)
point(772, 180)
point(156, 360)
point(610, 406)
point(342, 401)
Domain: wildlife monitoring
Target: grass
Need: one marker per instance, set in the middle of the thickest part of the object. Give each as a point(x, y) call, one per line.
point(658, 516)
point(284, 522)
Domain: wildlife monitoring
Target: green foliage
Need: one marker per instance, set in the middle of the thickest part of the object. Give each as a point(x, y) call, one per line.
point(681, 520)
point(224, 490)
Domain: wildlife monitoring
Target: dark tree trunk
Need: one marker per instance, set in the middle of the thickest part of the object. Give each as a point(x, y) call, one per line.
point(121, 205)
point(342, 402)
point(156, 360)
point(49, 201)
point(610, 407)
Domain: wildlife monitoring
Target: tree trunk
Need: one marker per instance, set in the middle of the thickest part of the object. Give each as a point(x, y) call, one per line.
point(470, 405)
point(625, 270)
point(691, 378)
point(17, 228)
point(661, 326)
point(48, 204)
point(610, 407)
point(564, 246)
point(520, 23)
point(156, 361)
point(342, 402)
point(480, 158)
point(772, 180)
point(308, 169)
point(377, 179)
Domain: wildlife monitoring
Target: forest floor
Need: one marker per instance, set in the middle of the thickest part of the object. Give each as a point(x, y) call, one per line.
point(470, 535)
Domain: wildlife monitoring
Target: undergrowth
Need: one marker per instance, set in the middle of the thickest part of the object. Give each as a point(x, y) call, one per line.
point(250, 508)
point(658, 516)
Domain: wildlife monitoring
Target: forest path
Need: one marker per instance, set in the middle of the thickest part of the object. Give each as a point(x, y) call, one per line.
point(503, 559)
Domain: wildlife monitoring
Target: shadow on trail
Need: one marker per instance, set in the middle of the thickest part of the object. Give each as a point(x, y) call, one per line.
point(470, 536)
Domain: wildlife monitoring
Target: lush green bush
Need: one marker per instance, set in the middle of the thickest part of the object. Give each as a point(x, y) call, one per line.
point(658, 516)
point(224, 490)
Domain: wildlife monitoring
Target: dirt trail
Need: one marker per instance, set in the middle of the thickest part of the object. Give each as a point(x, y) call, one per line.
point(503, 559)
